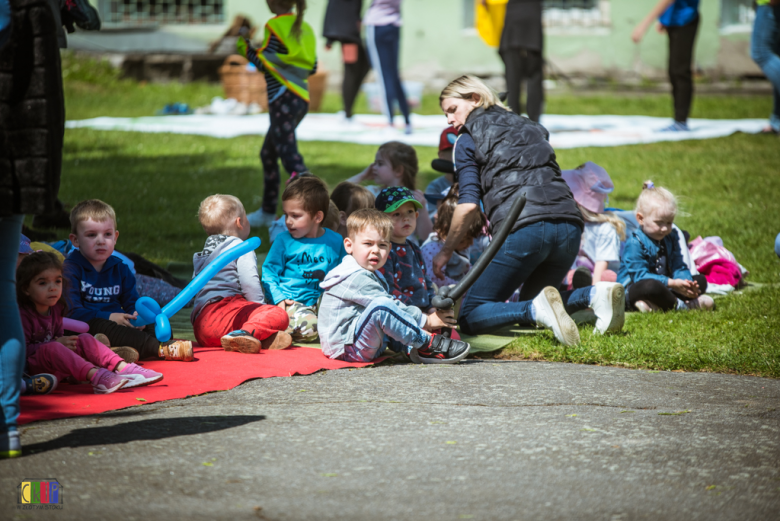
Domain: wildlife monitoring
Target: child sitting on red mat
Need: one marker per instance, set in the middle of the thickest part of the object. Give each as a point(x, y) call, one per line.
point(230, 309)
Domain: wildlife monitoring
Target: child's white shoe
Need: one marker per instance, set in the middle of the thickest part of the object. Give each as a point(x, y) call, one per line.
point(703, 302)
point(609, 305)
point(551, 314)
point(644, 307)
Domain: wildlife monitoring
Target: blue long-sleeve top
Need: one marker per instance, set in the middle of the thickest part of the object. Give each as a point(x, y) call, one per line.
point(294, 268)
point(640, 259)
point(98, 294)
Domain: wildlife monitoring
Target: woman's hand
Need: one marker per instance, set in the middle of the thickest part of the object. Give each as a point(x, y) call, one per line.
point(68, 341)
point(440, 262)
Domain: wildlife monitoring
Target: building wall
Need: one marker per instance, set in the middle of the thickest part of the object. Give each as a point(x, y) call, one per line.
point(436, 46)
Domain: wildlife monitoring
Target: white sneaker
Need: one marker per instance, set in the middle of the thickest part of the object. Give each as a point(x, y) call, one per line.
point(703, 302)
point(551, 314)
point(609, 304)
point(260, 218)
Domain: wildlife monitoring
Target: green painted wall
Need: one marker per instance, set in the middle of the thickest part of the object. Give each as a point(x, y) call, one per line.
point(435, 45)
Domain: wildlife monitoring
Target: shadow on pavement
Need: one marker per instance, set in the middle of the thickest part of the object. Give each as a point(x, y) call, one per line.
point(151, 429)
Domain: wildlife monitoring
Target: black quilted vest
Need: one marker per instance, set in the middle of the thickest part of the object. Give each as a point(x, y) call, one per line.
point(514, 157)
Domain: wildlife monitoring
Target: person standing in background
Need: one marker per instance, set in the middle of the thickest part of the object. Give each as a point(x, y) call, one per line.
point(383, 39)
point(765, 51)
point(342, 24)
point(522, 42)
point(680, 20)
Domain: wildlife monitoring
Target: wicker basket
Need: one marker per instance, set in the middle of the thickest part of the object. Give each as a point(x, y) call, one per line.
point(241, 84)
point(249, 86)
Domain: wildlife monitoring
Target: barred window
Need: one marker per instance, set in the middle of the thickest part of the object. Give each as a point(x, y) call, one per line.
point(146, 12)
point(560, 13)
point(736, 16)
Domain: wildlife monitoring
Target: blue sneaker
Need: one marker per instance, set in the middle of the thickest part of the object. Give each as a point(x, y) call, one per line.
point(677, 126)
point(10, 446)
point(43, 383)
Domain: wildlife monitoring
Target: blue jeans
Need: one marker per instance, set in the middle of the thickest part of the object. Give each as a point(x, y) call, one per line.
point(12, 344)
point(381, 323)
point(536, 256)
point(765, 51)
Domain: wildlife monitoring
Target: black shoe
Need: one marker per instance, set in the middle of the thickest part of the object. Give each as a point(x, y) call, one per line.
point(38, 236)
point(442, 350)
point(582, 278)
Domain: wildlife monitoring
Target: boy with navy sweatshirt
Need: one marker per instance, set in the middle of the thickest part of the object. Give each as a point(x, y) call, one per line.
point(101, 288)
point(300, 258)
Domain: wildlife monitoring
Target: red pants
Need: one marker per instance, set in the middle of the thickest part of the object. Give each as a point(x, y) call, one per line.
point(220, 318)
point(57, 359)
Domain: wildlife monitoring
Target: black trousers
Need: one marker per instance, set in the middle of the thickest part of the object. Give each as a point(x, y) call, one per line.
point(655, 292)
point(524, 65)
point(681, 42)
point(354, 74)
point(146, 344)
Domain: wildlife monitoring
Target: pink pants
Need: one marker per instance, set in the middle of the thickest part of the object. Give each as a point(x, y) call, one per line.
point(57, 359)
point(606, 276)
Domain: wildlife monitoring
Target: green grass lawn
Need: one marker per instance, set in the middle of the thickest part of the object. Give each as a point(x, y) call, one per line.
point(728, 187)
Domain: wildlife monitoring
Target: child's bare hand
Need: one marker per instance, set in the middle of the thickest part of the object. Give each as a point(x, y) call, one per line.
point(438, 319)
point(68, 341)
point(123, 319)
point(686, 288)
point(286, 303)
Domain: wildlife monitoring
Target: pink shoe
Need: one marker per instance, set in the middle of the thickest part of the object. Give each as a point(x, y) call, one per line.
point(106, 382)
point(139, 376)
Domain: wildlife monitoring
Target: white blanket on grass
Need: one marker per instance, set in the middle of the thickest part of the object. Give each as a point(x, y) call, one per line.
point(370, 129)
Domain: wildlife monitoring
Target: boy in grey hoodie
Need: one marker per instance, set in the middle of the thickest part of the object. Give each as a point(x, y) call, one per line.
point(357, 316)
point(230, 309)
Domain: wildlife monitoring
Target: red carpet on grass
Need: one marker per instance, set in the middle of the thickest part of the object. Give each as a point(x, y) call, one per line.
point(212, 370)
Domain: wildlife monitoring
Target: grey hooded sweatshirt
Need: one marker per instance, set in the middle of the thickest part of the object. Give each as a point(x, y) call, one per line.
point(349, 290)
point(239, 277)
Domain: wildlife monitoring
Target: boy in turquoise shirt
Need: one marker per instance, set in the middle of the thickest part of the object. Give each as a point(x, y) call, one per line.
point(300, 258)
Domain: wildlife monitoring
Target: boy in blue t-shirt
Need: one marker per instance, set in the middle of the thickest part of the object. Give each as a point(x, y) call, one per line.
point(300, 258)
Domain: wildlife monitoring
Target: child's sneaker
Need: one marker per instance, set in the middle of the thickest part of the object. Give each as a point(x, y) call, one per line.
point(103, 339)
point(126, 353)
point(609, 305)
point(10, 446)
point(106, 382)
point(703, 302)
point(241, 341)
point(138, 376)
point(179, 350)
point(441, 350)
point(279, 340)
point(43, 383)
point(645, 307)
point(551, 314)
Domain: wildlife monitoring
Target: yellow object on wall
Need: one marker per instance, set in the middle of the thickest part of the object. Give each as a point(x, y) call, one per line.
point(490, 20)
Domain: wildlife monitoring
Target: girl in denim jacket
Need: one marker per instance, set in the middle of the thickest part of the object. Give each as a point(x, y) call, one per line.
point(652, 267)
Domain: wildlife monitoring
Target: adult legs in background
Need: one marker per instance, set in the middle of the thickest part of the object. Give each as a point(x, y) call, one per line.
point(286, 112)
point(681, 43)
point(536, 256)
point(12, 343)
point(513, 71)
point(383, 46)
point(765, 51)
point(354, 74)
point(533, 70)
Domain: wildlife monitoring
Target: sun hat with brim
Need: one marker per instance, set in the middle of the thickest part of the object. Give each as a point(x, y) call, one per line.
point(390, 199)
point(590, 185)
point(24, 245)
